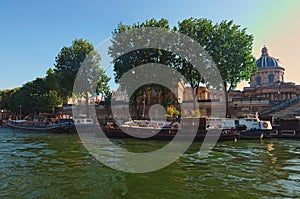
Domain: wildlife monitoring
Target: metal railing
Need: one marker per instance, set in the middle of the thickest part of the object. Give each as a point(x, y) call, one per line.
point(281, 105)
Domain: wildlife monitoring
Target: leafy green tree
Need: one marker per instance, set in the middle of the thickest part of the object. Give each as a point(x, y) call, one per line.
point(199, 30)
point(231, 50)
point(124, 61)
point(226, 43)
point(34, 97)
point(103, 88)
point(68, 62)
point(78, 72)
point(50, 100)
point(44, 94)
point(107, 101)
point(22, 99)
point(172, 112)
point(229, 46)
point(51, 80)
point(5, 96)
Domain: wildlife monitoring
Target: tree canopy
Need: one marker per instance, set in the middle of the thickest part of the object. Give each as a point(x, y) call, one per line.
point(228, 45)
point(45, 94)
point(80, 60)
point(70, 59)
point(124, 61)
point(34, 97)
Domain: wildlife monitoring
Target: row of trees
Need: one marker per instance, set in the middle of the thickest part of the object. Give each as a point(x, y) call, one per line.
point(40, 95)
point(45, 94)
point(228, 45)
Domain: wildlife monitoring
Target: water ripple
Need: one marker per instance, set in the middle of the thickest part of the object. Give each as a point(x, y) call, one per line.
point(34, 165)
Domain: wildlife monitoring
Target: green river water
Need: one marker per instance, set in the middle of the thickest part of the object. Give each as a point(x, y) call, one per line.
point(38, 165)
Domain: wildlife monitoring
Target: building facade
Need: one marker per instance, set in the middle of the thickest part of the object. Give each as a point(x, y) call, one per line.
point(267, 88)
point(268, 81)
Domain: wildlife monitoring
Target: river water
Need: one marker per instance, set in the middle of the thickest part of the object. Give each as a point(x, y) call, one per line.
point(38, 165)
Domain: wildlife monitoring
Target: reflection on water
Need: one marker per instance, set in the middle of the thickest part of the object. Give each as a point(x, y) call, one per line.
point(34, 165)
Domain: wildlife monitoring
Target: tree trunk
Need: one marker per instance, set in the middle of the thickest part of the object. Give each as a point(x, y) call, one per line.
point(86, 96)
point(226, 98)
point(227, 103)
point(194, 98)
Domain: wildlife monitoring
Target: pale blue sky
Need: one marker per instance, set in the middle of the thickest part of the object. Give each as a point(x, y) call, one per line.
point(32, 32)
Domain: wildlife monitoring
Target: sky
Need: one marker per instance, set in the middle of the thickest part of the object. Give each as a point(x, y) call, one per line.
point(33, 32)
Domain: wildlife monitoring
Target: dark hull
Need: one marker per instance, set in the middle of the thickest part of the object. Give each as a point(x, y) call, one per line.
point(167, 134)
point(56, 128)
point(255, 134)
point(287, 133)
point(251, 135)
point(287, 128)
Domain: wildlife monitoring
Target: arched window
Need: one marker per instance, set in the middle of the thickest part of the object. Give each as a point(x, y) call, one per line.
point(258, 80)
point(271, 78)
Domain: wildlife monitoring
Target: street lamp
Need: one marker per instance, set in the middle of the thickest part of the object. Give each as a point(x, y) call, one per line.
point(144, 102)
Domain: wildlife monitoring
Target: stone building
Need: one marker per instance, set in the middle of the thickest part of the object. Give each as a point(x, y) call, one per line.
point(267, 88)
point(268, 81)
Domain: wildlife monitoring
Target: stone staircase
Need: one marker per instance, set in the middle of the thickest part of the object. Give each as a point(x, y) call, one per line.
point(288, 111)
point(285, 109)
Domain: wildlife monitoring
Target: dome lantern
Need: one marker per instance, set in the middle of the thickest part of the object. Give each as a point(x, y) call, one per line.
point(266, 61)
point(264, 52)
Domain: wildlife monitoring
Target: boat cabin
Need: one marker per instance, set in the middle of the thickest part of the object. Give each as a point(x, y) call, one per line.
point(82, 119)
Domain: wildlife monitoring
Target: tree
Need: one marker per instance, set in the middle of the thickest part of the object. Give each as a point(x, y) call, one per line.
point(103, 88)
point(51, 80)
point(51, 100)
point(68, 62)
point(5, 96)
point(172, 112)
point(107, 101)
point(124, 61)
point(231, 50)
point(229, 46)
point(200, 30)
point(225, 43)
point(34, 96)
point(78, 72)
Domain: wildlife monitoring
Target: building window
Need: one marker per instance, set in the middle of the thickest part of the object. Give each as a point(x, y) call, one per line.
point(258, 81)
point(271, 78)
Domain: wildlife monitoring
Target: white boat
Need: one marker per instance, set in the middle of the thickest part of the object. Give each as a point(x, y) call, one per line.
point(223, 123)
point(40, 126)
point(252, 122)
point(246, 122)
point(83, 120)
point(249, 126)
point(164, 130)
point(83, 123)
point(149, 124)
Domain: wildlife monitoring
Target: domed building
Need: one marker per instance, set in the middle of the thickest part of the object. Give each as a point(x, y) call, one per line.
point(268, 81)
point(269, 70)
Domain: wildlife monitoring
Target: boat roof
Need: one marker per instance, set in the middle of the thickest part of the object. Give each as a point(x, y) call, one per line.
point(19, 121)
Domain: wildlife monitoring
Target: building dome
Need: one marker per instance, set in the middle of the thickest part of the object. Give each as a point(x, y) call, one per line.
point(269, 71)
point(265, 61)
